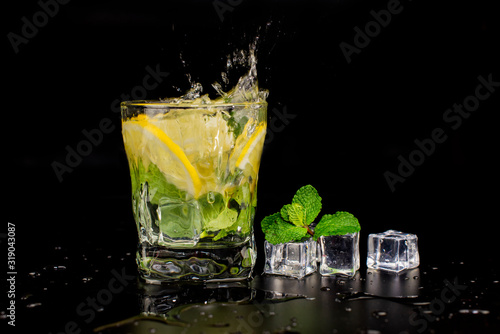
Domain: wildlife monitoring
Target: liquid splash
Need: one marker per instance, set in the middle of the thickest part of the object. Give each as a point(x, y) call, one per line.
point(246, 90)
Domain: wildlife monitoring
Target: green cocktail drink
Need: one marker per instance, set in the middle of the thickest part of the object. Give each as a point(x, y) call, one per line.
point(194, 170)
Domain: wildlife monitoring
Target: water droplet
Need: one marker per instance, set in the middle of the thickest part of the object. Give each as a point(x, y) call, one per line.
point(473, 311)
point(348, 309)
point(378, 314)
point(32, 305)
point(54, 268)
point(26, 296)
point(211, 197)
point(152, 330)
point(415, 277)
point(325, 288)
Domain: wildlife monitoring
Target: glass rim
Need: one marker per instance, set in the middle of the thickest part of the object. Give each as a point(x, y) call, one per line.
point(164, 104)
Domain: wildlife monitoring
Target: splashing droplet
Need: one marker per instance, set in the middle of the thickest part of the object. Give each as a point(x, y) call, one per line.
point(211, 197)
point(379, 314)
point(473, 311)
point(33, 305)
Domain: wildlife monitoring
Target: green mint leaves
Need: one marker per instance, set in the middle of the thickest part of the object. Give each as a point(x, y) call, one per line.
point(337, 224)
point(157, 183)
point(216, 214)
point(278, 231)
point(293, 220)
point(308, 197)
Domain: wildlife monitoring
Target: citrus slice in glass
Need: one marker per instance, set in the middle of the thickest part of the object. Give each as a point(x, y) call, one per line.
point(248, 149)
point(148, 142)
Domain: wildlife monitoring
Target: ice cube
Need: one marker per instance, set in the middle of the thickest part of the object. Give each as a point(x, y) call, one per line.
point(393, 251)
point(294, 259)
point(179, 222)
point(339, 254)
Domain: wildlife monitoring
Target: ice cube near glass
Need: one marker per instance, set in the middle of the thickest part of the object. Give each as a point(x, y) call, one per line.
point(339, 254)
point(294, 259)
point(393, 251)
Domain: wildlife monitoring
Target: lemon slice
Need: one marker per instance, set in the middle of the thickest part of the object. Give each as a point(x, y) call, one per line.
point(247, 152)
point(147, 141)
point(205, 137)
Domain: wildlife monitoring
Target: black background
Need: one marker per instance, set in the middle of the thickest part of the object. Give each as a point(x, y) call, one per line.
point(349, 121)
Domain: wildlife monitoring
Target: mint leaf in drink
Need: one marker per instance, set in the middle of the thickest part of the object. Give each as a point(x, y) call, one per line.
point(308, 197)
point(243, 194)
point(215, 213)
point(158, 186)
point(339, 223)
point(237, 125)
point(278, 231)
point(294, 213)
point(211, 205)
point(241, 224)
point(223, 221)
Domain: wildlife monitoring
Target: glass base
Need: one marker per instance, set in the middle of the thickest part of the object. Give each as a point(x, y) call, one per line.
point(205, 262)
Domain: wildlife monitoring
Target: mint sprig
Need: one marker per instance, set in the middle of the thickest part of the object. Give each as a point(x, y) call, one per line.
point(339, 223)
point(293, 220)
point(308, 197)
point(278, 231)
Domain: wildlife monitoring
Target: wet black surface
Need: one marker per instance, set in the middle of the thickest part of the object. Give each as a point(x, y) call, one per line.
point(338, 125)
point(97, 290)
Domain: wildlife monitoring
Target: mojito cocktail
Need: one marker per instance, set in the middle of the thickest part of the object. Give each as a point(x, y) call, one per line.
point(194, 170)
